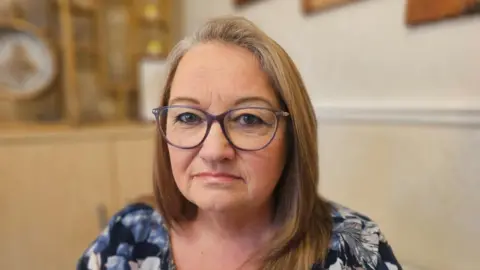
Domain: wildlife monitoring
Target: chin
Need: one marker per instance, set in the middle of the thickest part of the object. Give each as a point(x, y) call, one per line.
point(217, 204)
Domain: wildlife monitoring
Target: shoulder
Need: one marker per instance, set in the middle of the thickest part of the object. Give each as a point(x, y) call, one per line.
point(358, 243)
point(134, 235)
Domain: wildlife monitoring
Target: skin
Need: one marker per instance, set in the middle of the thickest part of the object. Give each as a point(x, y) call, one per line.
point(234, 213)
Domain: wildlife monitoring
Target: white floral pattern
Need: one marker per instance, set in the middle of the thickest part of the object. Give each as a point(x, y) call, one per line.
point(137, 239)
point(150, 263)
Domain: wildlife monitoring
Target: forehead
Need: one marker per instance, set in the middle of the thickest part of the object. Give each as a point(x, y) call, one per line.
point(220, 73)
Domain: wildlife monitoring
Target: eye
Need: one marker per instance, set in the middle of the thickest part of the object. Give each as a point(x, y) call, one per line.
point(249, 119)
point(188, 118)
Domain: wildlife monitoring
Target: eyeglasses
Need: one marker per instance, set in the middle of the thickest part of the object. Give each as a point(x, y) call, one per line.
point(247, 128)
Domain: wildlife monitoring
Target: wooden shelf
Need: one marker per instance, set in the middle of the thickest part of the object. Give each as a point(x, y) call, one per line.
point(82, 48)
point(87, 49)
point(78, 9)
point(54, 130)
point(153, 22)
point(44, 31)
point(161, 56)
point(85, 36)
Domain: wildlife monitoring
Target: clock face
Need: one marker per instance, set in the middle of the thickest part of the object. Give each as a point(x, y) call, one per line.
point(27, 65)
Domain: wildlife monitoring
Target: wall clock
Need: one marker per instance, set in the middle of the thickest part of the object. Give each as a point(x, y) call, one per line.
point(27, 61)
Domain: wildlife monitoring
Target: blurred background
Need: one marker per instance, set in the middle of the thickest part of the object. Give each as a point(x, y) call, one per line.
point(395, 85)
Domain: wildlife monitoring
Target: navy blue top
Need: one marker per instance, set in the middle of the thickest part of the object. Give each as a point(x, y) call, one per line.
point(136, 238)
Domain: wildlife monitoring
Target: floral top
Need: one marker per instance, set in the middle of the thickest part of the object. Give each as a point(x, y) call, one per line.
point(137, 239)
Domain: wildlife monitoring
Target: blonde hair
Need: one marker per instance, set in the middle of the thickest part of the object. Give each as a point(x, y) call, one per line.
point(304, 218)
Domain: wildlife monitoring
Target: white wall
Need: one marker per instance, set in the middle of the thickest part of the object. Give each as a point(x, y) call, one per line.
point(364, 50)
point(400, 116)
point(419, 182)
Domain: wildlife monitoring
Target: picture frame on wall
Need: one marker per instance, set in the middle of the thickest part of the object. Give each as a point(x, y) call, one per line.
point(311, 6)
point(429, 11)
point(240, 3)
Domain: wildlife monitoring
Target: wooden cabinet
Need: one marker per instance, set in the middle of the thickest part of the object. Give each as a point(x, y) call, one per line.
point(55, 185)
point(133, 160)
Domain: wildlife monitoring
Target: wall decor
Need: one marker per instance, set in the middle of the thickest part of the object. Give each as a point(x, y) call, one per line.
point(310, 6)
point(424, 11)
point(27, 62)
point(243, 2)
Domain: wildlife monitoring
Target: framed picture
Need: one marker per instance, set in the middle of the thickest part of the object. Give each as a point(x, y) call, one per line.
point(424, 11)
point(310, 6)
point(243, 2)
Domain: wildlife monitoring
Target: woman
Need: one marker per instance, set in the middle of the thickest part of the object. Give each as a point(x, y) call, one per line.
point(236, 170)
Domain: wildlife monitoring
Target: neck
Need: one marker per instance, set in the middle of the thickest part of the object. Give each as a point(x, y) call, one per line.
point(232, 237)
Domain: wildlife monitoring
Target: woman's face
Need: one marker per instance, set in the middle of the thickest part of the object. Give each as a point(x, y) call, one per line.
point(214, 175)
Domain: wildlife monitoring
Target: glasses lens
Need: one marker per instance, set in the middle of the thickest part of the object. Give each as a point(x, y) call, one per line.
point(184, 127)
point(250, 128)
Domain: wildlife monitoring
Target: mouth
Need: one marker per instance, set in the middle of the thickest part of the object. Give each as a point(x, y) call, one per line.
point(216, 177)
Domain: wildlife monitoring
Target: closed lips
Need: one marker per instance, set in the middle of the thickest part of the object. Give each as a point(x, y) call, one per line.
point(216, 175)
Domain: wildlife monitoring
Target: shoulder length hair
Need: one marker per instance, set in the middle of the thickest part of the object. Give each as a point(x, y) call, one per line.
point(303, 216)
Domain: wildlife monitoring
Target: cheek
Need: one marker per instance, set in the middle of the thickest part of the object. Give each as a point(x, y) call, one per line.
point(180, 160)
point(266, 166)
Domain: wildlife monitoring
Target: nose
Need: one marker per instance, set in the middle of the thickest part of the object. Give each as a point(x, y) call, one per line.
point(216, 147)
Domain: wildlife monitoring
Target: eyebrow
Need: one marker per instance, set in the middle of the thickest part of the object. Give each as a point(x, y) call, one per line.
point(237, 102)
point(184, 99)
point(253, 99)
